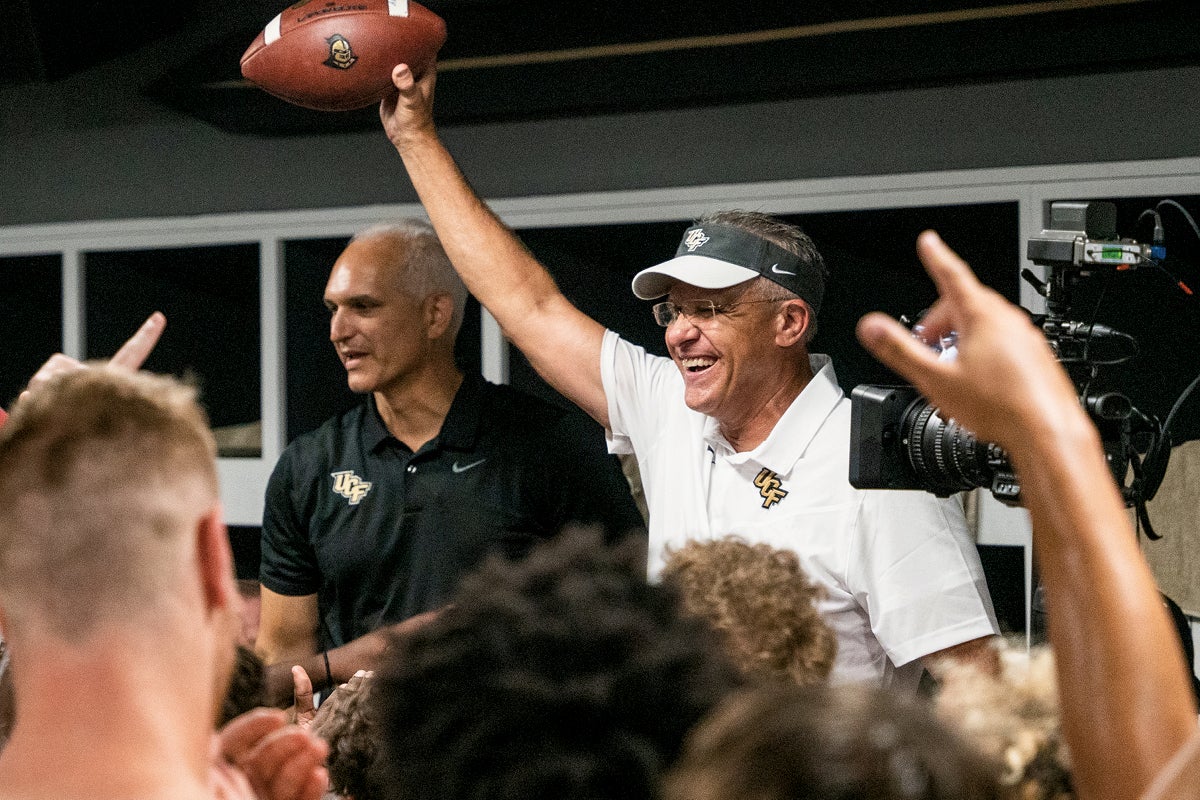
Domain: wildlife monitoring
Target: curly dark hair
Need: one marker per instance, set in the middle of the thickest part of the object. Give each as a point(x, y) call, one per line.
point(563, 676)
point(247, 685)
point(822, 742)
point(345, 722)
point(762, 603)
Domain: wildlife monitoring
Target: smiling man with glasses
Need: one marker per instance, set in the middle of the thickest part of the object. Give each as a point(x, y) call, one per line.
point(741, 431)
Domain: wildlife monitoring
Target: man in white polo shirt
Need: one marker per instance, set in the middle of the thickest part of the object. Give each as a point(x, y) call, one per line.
point(740, 431)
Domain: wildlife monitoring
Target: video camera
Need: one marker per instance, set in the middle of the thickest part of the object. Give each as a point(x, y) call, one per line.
point(900, 441)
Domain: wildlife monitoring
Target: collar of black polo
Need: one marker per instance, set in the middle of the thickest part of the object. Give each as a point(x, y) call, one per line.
point(720, 256)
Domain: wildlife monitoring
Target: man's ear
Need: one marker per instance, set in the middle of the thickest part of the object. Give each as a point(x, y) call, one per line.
point(792, 323)
point(438, 310)
point(215, 560)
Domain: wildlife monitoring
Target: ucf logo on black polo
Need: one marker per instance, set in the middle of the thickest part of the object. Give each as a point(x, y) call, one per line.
point(350, 486)
point(769, 487)
point(341, 56)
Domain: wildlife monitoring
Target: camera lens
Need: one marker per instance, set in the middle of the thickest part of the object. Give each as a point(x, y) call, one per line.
point(946, 456)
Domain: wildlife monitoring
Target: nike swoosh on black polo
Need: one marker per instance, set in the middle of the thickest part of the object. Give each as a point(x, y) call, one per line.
point(455, 468)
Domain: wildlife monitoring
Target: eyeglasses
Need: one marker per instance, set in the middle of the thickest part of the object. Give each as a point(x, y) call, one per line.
point(698, 312)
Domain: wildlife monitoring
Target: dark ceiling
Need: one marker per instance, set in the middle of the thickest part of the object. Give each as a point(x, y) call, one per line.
point(510, 60)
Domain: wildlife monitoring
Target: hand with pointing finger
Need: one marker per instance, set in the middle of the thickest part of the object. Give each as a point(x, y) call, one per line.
point(131, 356)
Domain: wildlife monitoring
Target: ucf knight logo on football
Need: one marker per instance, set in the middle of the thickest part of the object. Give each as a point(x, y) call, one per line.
point(340, 54)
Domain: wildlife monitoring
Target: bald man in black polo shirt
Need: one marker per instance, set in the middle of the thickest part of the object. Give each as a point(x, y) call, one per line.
point(371, 519)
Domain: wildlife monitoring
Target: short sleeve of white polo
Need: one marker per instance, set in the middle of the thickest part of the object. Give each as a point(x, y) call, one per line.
point(915, 570)
point(634, 383)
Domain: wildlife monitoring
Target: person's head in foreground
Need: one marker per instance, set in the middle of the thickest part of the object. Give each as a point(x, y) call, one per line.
point(848, 742)
point(1012, 718)
point(116, 579)
point(344, 720)
point(563, 676)
point(109, 517)
point(761, 602)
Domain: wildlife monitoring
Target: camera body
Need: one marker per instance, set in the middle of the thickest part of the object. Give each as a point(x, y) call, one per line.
point(898, 440)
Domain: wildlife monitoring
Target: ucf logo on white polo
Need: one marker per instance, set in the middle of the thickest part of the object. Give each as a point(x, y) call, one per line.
point(350, 486)
point(770, 487)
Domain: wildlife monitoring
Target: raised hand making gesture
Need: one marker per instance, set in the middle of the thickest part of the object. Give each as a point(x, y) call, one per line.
point(1121, 673)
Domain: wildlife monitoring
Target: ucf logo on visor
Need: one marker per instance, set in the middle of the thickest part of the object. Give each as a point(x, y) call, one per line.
point(694, 239)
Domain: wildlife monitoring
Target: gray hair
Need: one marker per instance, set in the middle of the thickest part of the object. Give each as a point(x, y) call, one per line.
point(787, 236)
point(426, 268)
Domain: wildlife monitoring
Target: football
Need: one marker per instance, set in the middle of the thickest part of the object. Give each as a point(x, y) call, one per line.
point(338, 56)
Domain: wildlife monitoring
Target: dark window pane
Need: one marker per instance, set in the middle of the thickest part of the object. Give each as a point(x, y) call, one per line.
point(246, 543)
point(873, 267)
point(316, 382)
point(211, 298)
point(1004, 567)
point(30, 318)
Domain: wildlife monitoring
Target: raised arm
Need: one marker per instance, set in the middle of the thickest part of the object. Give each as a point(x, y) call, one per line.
point(1126, 700)
point(560, 341)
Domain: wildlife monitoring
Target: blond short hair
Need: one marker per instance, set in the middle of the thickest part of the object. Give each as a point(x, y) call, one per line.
point(1012, 717)
point(761, 602)
point(103, 474)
